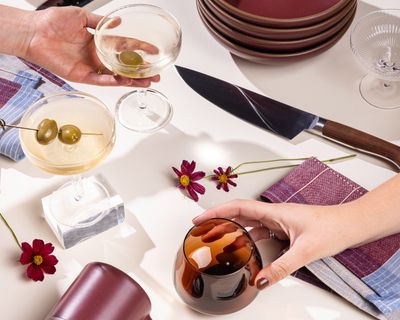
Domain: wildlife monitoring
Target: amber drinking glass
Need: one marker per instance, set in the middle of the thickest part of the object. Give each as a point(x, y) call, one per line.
point(216, 267)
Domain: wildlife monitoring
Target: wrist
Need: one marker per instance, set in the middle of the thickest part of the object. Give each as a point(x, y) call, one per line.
point(17, 31)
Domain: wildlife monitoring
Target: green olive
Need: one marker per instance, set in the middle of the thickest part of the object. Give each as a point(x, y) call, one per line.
point(69, 134)
point(130, 58)
point(47, 131)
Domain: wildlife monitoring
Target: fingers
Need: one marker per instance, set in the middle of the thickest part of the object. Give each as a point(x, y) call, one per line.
point(219, 231)
point(125, 44)
point(112, 80)
point(285, 265)
point(92, 19)
point(259, 233)
point(243, 209)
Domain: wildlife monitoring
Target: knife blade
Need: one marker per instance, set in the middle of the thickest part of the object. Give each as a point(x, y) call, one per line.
point(282, 119)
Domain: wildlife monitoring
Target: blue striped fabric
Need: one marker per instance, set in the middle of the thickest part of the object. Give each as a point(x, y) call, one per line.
point(386, 282)
point(21, 84)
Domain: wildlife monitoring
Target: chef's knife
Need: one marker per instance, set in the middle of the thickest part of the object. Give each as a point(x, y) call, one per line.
point(280, 118)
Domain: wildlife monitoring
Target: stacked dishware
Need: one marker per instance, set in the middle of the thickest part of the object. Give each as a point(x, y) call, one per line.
point(269, 31)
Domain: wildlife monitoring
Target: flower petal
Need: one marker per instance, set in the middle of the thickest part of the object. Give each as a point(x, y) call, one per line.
point(197, 175)
point(214, 178)
point(34, 272)
point(228, 170)
point(219, 185)
point(37, 245)
point(184, 167)
point(26, 247)
point(47, 249)
point(198, 187)
point(191, 167)
point(221, 171)
point(49, 261)
point(192, 193)
point(233, 176)
point(225, 187)
point(178, 173)
point(50, 269)
point(232, 183)
point(26, 257)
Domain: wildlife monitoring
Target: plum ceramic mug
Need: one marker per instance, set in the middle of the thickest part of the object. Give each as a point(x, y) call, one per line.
point(102, 291)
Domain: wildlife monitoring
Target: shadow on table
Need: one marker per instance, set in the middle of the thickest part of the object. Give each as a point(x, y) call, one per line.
point(146, 169)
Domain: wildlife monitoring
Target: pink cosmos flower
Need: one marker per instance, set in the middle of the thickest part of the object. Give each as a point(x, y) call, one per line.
point(187, 177)
point(224, 178)
point(39, 258)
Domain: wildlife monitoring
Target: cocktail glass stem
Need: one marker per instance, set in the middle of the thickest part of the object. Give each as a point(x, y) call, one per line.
point(79, 190)
point(142, 104)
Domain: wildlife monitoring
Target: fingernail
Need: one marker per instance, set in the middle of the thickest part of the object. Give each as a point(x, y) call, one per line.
point(262, 283)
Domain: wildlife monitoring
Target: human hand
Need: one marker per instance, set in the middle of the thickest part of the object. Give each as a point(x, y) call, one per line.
point(61, 43)
point(313, 231)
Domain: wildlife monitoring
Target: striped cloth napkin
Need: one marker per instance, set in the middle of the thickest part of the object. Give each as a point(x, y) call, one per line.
point(369, 275)
point(21, 84)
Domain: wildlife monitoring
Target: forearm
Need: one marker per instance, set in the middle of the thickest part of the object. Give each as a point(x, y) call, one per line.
point(15, 31)
point(377, 214)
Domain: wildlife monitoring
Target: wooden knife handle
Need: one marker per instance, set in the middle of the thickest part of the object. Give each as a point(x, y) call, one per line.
point(362, 140)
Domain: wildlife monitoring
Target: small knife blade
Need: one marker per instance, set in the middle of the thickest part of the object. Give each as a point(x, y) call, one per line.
point(280, 118)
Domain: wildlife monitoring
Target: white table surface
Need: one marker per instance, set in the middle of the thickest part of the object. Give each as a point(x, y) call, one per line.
point(157, 214)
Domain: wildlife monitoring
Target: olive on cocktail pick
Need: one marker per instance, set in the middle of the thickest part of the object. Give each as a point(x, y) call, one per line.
point(69, 134)
point(47, 131)
point(130, 58)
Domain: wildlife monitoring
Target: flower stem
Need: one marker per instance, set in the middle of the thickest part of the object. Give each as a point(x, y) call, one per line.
point(268, 161)
point(11, 230)
point(292, 165)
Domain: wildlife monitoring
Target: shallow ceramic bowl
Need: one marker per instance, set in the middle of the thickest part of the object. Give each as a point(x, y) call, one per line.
point(265, 57)
point(272, 45)
point(282, 13)
point(276, 33)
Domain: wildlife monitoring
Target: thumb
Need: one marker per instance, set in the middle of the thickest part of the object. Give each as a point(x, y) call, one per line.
point(285, 265)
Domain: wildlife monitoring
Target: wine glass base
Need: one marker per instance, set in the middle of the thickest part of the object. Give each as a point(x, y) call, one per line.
point(73, 221)
point(380, 93)
point(144, 110)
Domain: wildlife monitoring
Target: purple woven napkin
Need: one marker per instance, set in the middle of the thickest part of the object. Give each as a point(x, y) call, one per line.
point(21, 84)
point(369, 275)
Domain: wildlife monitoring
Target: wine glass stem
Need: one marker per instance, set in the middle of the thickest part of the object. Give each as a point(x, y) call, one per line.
point(141, 98)
point(78, 187)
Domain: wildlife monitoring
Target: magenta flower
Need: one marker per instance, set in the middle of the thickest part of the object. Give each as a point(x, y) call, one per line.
point(187, 178)
point(39, 258)
point(224, 178)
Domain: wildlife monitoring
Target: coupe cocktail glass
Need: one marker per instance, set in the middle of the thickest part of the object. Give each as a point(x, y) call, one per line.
point(139, 41)
point(375, 42)
point(80, 203)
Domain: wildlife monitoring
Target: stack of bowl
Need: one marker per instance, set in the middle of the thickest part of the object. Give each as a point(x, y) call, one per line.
point(268, 31)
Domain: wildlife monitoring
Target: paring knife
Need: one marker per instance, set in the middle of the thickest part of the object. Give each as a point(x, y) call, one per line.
point(280, 118)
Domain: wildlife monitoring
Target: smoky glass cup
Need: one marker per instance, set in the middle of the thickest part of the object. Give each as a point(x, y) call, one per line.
point(216, 266)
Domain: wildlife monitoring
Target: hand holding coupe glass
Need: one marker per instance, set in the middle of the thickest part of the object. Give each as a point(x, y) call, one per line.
point(139, 41)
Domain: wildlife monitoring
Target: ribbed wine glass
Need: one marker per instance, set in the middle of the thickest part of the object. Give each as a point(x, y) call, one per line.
point(375, 41)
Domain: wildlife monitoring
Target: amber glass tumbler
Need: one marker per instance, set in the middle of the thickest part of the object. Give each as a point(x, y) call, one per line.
point(216, 266)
